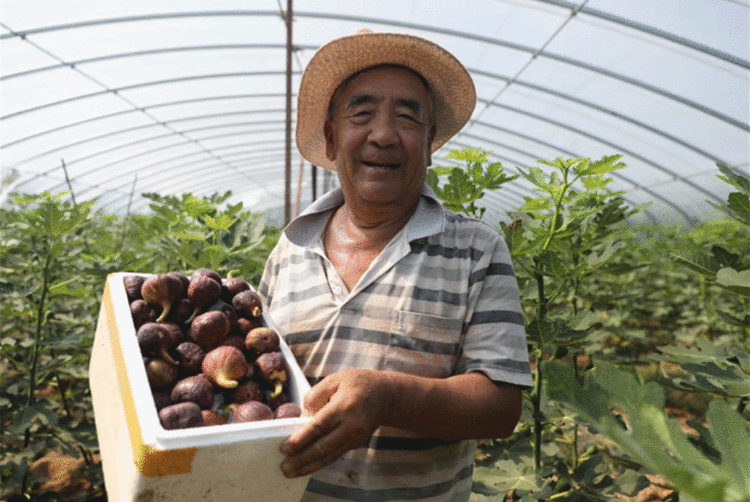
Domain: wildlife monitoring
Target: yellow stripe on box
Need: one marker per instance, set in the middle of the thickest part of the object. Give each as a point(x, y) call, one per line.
point(150, 461)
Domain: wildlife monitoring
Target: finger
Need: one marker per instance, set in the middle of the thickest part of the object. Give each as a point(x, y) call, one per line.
point(319, 395)
point(321, 452)
point(303, 437)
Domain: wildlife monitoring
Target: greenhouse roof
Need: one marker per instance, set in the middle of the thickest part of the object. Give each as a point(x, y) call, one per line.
point(113, 99)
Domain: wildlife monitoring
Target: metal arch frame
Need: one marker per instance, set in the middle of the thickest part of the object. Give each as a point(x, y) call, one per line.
point(140, 109)
point(558, 3)
point(491, 75)
point(148, 152)
point(466, 35)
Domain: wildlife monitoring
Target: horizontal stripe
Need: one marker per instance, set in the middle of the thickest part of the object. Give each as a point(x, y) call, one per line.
point(498, 316)
point(406, 443)
point(388, 494)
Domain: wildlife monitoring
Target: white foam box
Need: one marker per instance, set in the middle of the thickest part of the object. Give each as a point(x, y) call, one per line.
point(143, 462)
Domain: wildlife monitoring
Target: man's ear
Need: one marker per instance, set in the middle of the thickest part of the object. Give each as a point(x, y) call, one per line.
point(328, 133)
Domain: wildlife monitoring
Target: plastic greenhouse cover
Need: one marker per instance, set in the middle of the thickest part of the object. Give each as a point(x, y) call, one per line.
point(190, 96)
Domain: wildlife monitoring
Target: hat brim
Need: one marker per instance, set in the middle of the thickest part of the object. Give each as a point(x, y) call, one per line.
point(453, 88)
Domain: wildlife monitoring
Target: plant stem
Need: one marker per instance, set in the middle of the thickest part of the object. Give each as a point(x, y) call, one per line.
point(37, 341)
point(536, 397)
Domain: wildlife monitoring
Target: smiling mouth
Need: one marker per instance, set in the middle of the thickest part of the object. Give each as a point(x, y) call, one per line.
point(381, 165)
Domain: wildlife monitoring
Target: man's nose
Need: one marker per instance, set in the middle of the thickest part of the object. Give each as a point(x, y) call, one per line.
point(383, 130)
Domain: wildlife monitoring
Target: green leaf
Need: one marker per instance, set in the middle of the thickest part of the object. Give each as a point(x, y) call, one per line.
point(738, 282)
point(733, 441)
point(223, 222)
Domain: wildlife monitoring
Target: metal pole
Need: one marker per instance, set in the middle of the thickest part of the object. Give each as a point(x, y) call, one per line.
point(288, 160)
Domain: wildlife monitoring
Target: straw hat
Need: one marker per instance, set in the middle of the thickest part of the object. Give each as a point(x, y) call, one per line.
point(455, 96)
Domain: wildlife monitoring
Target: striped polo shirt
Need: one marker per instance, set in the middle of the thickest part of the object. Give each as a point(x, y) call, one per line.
point(441, 299)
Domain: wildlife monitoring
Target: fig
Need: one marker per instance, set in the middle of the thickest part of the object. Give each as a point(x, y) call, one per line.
point(287, 410)
point(174, 332)
point(232, 286)
point(235, 341)
point(160, 374)
point(278, 400)
point(245, 325)
point(161, 290)
point(225, 366)
point(181, 416)
point(142, 312)
point(205, 272)
point(247, 304)
point(155, 340)
point(249, 390)
point(202, 293)
point(190, 356)
point(184, 280)
point(261, 340)
point(196, 389)
point(212, 417)
point(209, 329)
point(251, 411)
point(227, 310)
point(133, 285)
point(181, 311)
point(271, 367)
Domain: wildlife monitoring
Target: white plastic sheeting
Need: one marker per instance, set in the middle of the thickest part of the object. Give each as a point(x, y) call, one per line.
point(113, 99)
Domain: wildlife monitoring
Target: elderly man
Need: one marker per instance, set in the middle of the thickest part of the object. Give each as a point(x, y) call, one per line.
point(404, 316)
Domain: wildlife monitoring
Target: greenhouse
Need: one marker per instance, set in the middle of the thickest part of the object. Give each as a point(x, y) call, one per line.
point(608, 147)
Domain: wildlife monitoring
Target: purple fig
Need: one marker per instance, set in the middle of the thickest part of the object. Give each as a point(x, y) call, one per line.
point(205, 272)
point(212, 417)
point(155, 340)
point(184, 280)
point(271, 367)
point(202, 293)
point(246, 325)
point(225, 366)
point(190, 356)
point(181, 311)
point(227, 310)
point(142, 312)
point(247, 304)
point(161, 290)
point(249, 390)
point(251, 411)
point(133, 285)
point(287, 410)
point(261, 340)
point(232, 286)
point(160, 374)
point(209, 329)
point(196, 389)
point(181, 416)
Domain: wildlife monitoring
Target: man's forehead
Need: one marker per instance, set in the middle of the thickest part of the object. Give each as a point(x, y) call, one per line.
point(371, 84)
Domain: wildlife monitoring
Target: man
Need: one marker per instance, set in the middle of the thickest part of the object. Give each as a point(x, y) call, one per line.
point(405, 317)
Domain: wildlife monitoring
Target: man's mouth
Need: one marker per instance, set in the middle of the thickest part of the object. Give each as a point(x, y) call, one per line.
point(381, 165)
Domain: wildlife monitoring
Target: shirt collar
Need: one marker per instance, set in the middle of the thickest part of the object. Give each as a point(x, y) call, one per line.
point(428, 218)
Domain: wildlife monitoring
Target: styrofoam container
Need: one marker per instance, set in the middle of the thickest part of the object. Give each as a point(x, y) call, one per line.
point(143, 462)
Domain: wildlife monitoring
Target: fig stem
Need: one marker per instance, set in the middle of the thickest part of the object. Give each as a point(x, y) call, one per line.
point(223, 381)
point(277, 390)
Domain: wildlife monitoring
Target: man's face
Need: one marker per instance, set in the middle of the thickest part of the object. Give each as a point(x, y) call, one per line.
point(380, 136)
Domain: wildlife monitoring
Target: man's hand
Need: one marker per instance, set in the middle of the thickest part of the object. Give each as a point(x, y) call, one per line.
point(346, 408)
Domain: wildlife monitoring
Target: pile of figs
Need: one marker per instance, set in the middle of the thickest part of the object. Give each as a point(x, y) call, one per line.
point(209, 356)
